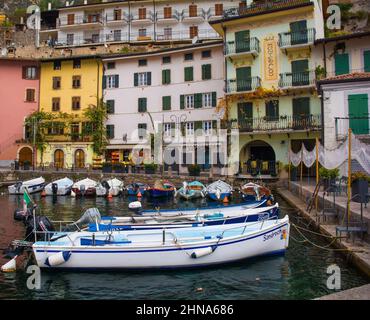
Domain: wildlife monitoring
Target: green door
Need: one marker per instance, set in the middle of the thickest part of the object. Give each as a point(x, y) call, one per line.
point(341, 63)
point(300, 74)
point(243, 79)
point(298, 33)
point(245, 116)
point(367, 61)
point(358, 112)
point(242, 41)
point(301, 113)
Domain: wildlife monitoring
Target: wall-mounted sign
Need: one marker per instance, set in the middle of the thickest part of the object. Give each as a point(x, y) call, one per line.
point(270, 59)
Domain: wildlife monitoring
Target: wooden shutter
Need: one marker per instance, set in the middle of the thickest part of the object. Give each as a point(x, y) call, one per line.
point(367, 61)
point(242, 41)
point(116, 81)
point(206, 72)
point(142, 103)
point(298, 33)
point(70, 18)
point(24, 72)
point(214, 99)
point(142, 13)
point(219, 8)
point(167, 12)
point(193, 10)
point(182, 101)
point(341, 64)
point(166, 76)
point(136, 79)
point(193, 30)
point(149, 78)
point(166, 103)
point(198, 100)
point(189, 74)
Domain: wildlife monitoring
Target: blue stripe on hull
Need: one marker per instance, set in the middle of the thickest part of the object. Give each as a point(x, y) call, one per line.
point(222, 196)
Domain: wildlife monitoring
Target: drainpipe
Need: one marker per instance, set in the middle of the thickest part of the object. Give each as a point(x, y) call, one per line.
point(129, 22)
point(155, 21)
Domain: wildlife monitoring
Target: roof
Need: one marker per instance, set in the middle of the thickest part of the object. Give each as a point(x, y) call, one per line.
point(344, 37)
point(95, 56)
point(351, 77)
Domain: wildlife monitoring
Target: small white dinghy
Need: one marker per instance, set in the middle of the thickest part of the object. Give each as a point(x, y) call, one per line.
point(59, 187)
point(111, 187)
point(85, 187)
point(32, 186)
point(175, 248)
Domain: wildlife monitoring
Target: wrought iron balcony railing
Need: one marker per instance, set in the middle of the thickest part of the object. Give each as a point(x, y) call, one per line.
point(235, 47)
point(198, 13)
point(77, 20)
point(360, 125)
point(116, 17)
point(251, 84)
point(297, 79)
point(289, 39)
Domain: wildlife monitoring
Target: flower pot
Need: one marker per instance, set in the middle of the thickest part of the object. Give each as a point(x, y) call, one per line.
point(359, 190)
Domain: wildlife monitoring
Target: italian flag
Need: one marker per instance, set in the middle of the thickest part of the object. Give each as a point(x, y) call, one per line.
point(26, 200)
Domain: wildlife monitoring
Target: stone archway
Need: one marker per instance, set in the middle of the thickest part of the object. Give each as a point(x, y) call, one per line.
point(25, 154)
point(257, 156)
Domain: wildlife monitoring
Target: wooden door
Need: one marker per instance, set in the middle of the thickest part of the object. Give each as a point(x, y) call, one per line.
point(59, 159)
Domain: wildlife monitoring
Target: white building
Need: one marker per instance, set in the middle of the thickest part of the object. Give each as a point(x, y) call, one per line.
point(138, 21)
point(175, 88)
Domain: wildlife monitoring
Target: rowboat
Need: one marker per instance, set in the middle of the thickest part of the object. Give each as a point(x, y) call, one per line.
point(134, 188)
point(161, 190)
point(85, 187)
point(254, 192)
point(153, 249)
point(111, 187)
point(32, 186)
point(219, 190)
point(192, 190)
point(59, 187)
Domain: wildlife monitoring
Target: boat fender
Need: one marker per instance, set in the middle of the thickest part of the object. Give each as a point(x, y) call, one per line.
point(58, 258)
point(135, 206)
point(202, 252)
point(10, 266)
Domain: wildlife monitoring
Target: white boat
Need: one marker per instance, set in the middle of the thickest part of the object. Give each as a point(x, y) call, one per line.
point(85, 187)
point(219, 190)
point(111, 187)
point(32, 186)
point(174, 248)
point(59, 187)
point(192, 190)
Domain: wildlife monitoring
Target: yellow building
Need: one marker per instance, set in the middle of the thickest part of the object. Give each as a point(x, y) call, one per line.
point(69, 86)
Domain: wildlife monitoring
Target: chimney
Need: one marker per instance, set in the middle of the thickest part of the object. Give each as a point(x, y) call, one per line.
point(49, 6)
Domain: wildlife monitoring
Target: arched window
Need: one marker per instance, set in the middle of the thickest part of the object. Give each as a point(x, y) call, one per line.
point(79, 158)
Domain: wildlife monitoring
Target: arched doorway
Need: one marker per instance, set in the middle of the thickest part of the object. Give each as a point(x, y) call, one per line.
point(59, 159)
point(258, 157)
point(25, 154)
point(79, 159)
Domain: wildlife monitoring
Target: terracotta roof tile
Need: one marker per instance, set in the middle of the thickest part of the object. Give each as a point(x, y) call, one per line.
point(349, 76)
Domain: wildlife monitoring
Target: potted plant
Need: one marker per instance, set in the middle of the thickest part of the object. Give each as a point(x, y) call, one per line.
point(106, 167)
point(150, 168)
point(194, 170)
point(26, 165)
point(359, 186)
point(328, 176)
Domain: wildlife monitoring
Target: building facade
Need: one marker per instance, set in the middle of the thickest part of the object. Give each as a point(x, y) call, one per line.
point(68, 87)
point(173, 92)
point(19, 89)
point(136, 22)
point(270, 80)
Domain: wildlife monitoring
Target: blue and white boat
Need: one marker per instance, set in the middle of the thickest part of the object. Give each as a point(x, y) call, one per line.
point(219, 190)
point(32, 186)
point(153, 249)
point(134, 188)
point(192, 190)
point(161, 190)
point(252, 192)
point(59, 187)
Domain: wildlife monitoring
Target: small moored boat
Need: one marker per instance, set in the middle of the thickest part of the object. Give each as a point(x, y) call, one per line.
point(32, 186)
point(219, 190)
point(134, 188)
point(255, 192)
point(192, 190)
point(59, 187)
point(111, 187)
point(85, 187)
point(161, 190)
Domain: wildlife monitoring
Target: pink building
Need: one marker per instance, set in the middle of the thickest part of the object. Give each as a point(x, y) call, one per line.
point(19, 95)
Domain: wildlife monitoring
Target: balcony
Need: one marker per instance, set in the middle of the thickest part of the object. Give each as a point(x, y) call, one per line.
point(142, 19)
point(297, 79)
point(184, 35)
point(242, 49)
point(193, 15)
point(294, 40)
point(93, 21)
point(360, 126)
point(116, 19)
point(166, 18)
point(137, 36)
point(262, 7)
point(283, 123)
point(214, 15)
point(234, 86)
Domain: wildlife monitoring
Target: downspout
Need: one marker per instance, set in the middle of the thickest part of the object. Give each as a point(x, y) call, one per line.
point(155, 21)
point(129, 22)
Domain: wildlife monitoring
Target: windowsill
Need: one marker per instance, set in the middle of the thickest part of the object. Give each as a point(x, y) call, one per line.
point(25, 101)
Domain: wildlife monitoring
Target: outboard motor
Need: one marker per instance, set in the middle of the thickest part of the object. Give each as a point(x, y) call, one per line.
point(42, 224)
point(18, 186)
point(91, 215)
point(105, 184)
point(21, 215)
point(54, 188)
point(82, 189)
point(135, 207)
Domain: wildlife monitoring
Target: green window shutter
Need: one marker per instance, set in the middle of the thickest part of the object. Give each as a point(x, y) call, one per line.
point(206, 72)
point(198, 125)
point(136, 79)
point(149, 78)
point(214, 124)
point(110, 106)
point(214, 99)
point(367, 61)
point(142, 104)
point(182, 102)
point(166, 103)
point(198, 100)
point(166, 76)
point(110, 131)
point(341, 64)
point(116, 81)
point(242, 41)
point(104, 82)
point(189, 74)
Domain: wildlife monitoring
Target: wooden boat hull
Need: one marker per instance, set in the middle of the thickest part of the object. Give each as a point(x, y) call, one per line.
point(159, 193)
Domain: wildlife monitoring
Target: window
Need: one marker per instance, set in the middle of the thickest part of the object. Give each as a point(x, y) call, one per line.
point(167, 129)
point(219, 8)
point(76, 103)
point(206, 71)
point(70, 18)
point(142, 79)
point(207, 99)
point(57, 65)
point(76, 82)
point(141, 130)
point(367, 61)
point(206, 54)
point(142, 13)
point(188, 74)
point(55, 104)
point(142, 32)
point(57, 82)
point(272, 110)
point(166, 76)
point(166, 103)
point(143, 62)
point(117, 35)
point(117, 13)
point(29, 73)
point(188, 57)
point(167, 12)
point(207, 127)
point(56, 128)
point(341, 63)
point(70, 39)
point(75, 131)
point(110, 131)
point(142, 104)
point(189, 101)
point(110, 106)
point(112, 81)
point(190, 128)
point(167, 33)
point(76, 64)
point(166, 59)
point(95, 38)
point(193, 30)
point(111, 65)
point(193, 10)
point(30, 95)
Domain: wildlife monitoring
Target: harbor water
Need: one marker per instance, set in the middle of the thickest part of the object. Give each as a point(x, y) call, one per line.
point(300, 274)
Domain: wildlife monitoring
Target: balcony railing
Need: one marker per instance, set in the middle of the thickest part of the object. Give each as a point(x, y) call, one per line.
point(65, 22)
point(360, 126)
point(251, 84)
point(289, 39)
point(278, 123)
point(198, 13)
point(162, 16)
point(256, 167)
point(146, 16)
point(297, 79)
point(261, 7)
point(233, 47)
point(116, 17)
